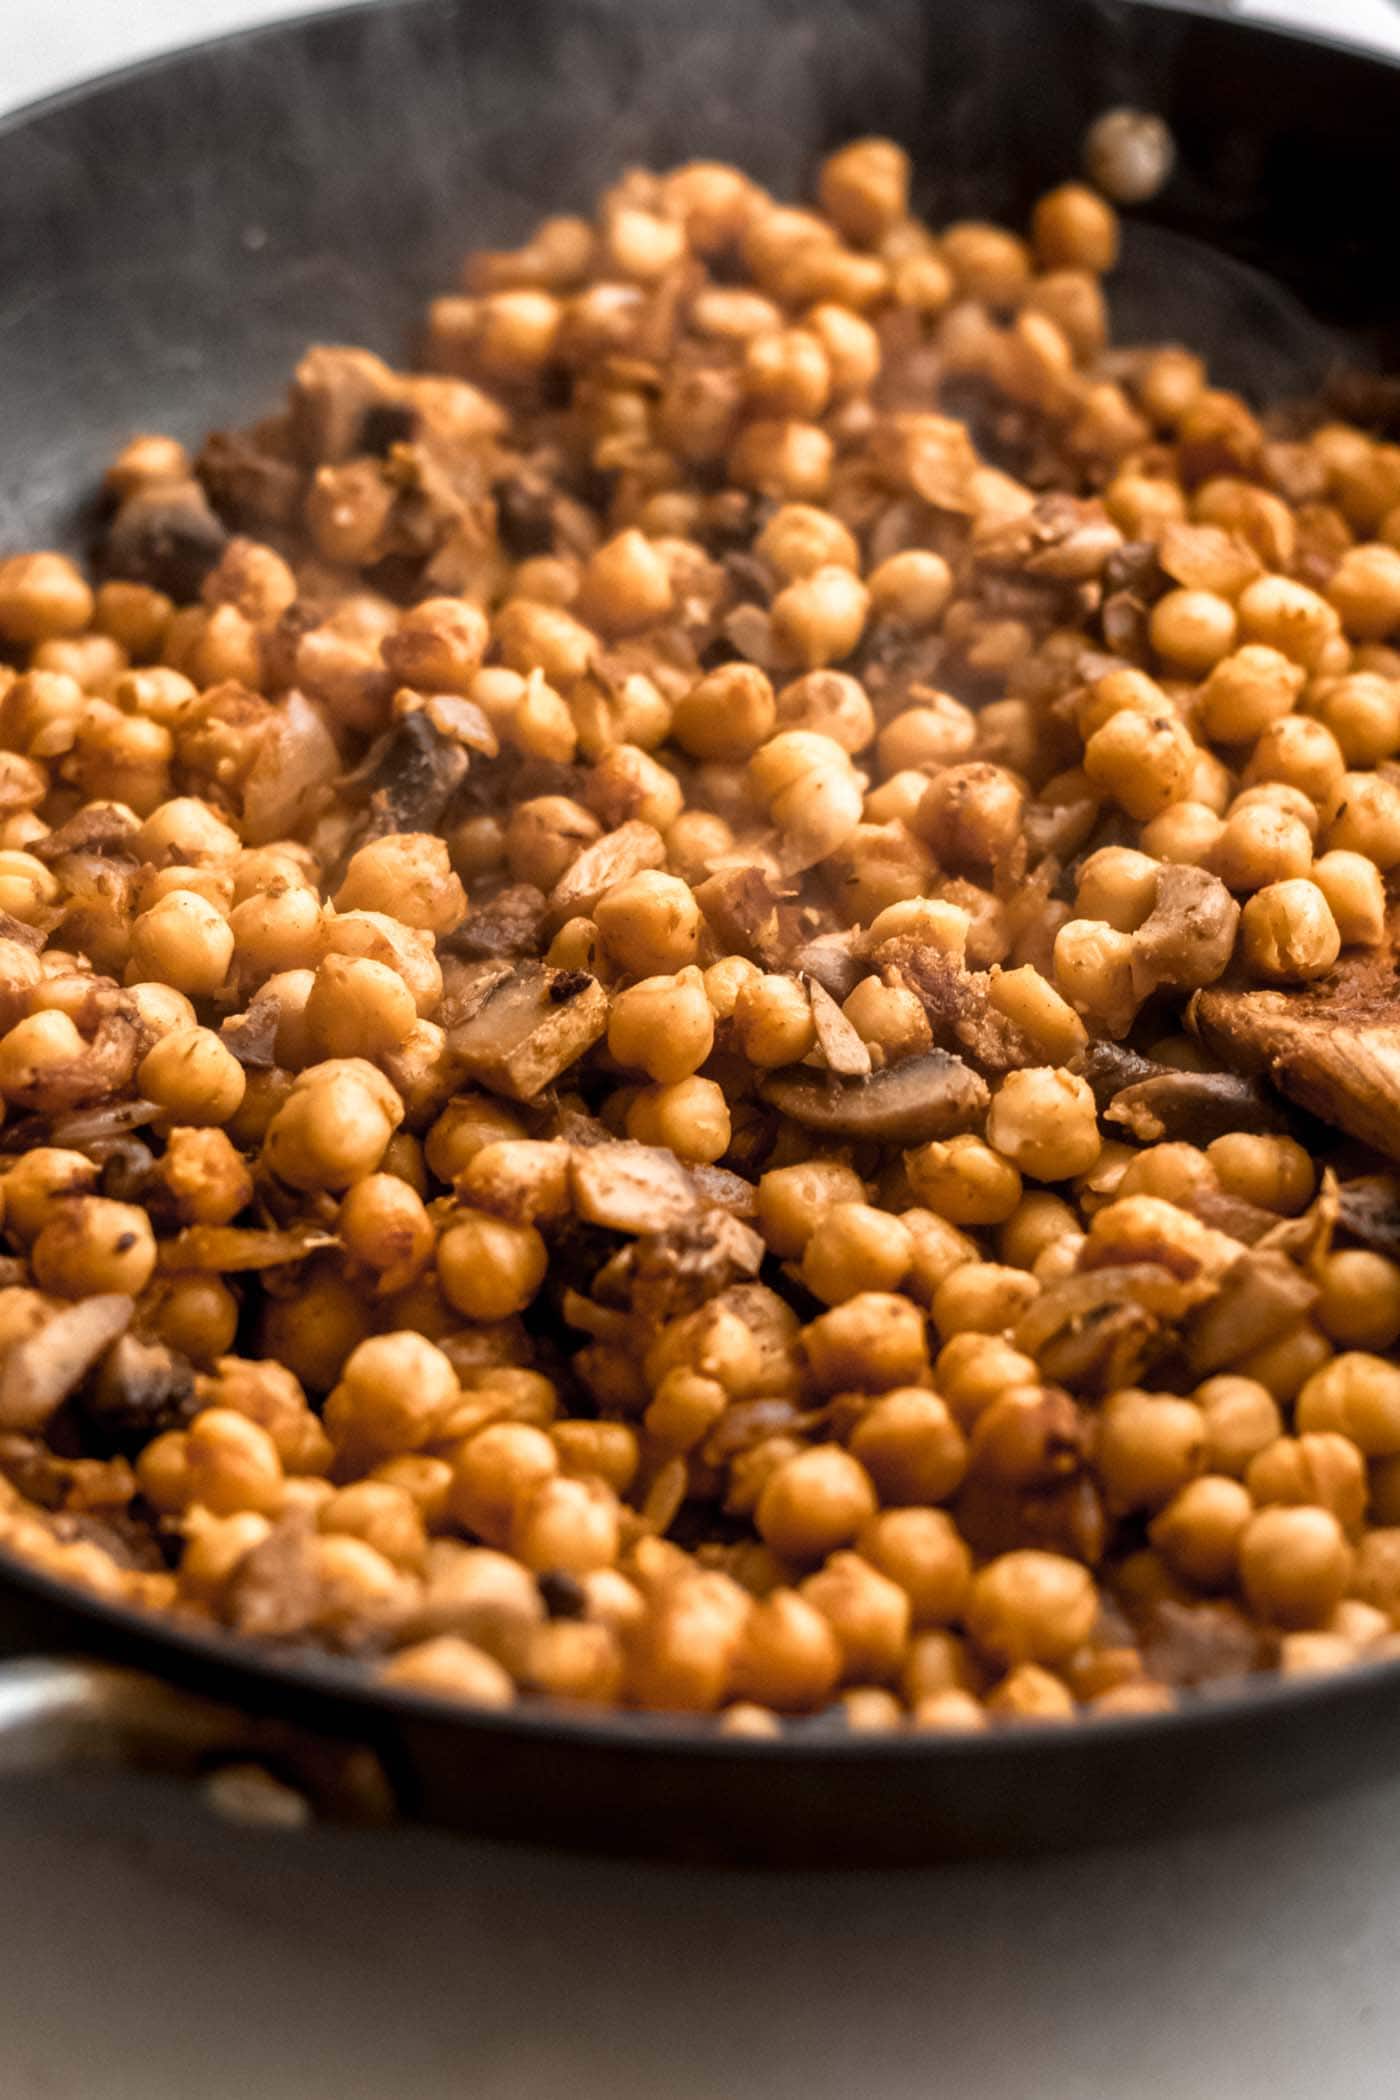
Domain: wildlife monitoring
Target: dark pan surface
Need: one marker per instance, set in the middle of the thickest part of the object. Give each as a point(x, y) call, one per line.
point(170, 241)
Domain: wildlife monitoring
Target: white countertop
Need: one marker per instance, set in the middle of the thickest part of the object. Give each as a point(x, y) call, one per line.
point(152, 1953)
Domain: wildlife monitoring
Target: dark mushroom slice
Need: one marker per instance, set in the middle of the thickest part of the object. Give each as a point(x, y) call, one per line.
point(510, 924)
point(1331, 1047)
point(410, 777)
point(1172, 1105)
point(166, 536)
point(1189, 937)
point(934, 1096)
point(1368, 1209)
point(532, 1026)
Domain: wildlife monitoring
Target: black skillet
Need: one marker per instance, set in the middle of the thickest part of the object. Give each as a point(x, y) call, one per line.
point(169, 242)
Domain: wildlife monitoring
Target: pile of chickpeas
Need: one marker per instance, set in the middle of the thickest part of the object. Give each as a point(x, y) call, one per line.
point(771, 651)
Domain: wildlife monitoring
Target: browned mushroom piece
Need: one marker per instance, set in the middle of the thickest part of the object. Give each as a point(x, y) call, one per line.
point(532, 1025)
point(166, 536)
point(229, 1249)
point(630, 850)
point(1172, 1105)
point(1332, 1047)
point(40, 1372)
point(1189, 936)
point(934, 1096)
point(509, 924)
point(631, 1188)
point(410, 776)
point(840, 1046)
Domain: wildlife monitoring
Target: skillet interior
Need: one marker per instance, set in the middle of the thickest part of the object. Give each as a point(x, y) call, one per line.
point(170, 240)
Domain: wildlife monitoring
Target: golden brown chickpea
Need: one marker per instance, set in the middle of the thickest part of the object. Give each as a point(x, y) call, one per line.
point(394, 1390)
point(1288, 935)
point(183, 941)
point(383, 1225)
point(1073, 227)
point(650, 923)
point(487, 1268)
point(89, 1244)
point(334, 1125)
point(964, 1180)
point(788, 1655)
point(865, 187)
point(773, 1021)
point(867, 1612)
point(785, 458)
point(1150, 1446)
point(1359, 1302)
point(42, 596)
point(193, 1076)
point(813, 1503)
point(1044, 1121)
point(1294, 1565)
point(1358, 1395)
point(855, 1247)
point(1198, 1534)
point(37, 1182)
point(1029, 1606)
point(911, 1447)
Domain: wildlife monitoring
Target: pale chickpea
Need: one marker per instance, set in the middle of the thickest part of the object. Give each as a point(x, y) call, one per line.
point(650, 923)
point(1288, 934)
point(184, 941)
point(772, 1021)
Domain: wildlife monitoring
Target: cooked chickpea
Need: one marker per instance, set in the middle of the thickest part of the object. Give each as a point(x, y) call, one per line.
point(1029, 1606)
point(650, 923)
point(663, 1026)
point(814, 1503)
point(408, 875)
point(1143, 761)
point(1044, 1121)
point(727, 714)
point(1294, 1564)
point(773, 1021)
point(1274, 1172)
point(1362, 815)
point(1359, 1299)
point(855, 1248)
point(1288, 935)
point(964, 1180)
point(334, 1125)
point(691, 1116)
point(90, 1244)
point(1073, 227)
point(193, 1076)
point(489, 1269)
point(184, 941)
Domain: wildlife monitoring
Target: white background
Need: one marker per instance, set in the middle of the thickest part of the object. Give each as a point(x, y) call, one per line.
point(150, 1953)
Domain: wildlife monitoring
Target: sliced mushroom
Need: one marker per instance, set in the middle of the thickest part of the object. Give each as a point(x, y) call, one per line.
point(410, 776)
point(40, 1372)
point(533, 1026)
point(631, 1188)
point(844, 1052)
point(1189, 937)
point(1260, 1297)
point(630, 850)
point(1331, 1047)
point(934, 1096)
point(508, 925)
point(1192, 1106)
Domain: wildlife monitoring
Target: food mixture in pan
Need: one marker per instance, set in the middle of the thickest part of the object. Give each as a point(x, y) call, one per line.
point(694, 1007)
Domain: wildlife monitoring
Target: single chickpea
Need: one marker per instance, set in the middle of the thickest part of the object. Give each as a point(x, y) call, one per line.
point(865, 187)
point(923, 1551)
point(89, 1244)
point(193, 1076)
point(788, 1656)
point(987, 263)
point(818, 619)
point(1192, 630)
point(1288, 617)
point(357, 1008)
point(1358, 1395)
point(334, 1125)
point(1144, 762)
point(232, 1464)
point(1362, 711)
point(1320, 1466)
point(1301, 753)
point(1247, 692)
point(1117, 885)
point(663, 1026)
point(42, 597)
point(867, 1612)
point(773, 1021)
point(971, 815)
point(625, 585)
point(1093, 971)
point(393, 1391)
point(37, 1184)
point(690, 1116)
point(1241, 1419)
point(964, 1180)
point(889, 1018)
point(871, 1343)
point(489, 1269)
point(911, 1447)
point(814, 1503)
point(447, 1667)
point(1150, 1446)
point(650, 923)
point(799, 539)
point(1198, 1533)
point(1288, 935)
point(1362, 815)
point(384, 1226)
point(1274, 1172)
point(571, 1525)
point(1294, 1565)
point(184, 941)
point(1359, 1299)
point(855, 1248)
point(1364, 588)
point(408, 875)
point(1072, 227)
point(1029, 1606)
point(786, 372)
point(1045, 1121)
point(785, 458)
